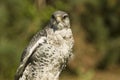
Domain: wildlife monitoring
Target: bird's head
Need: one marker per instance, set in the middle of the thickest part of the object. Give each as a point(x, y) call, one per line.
point(60, 20)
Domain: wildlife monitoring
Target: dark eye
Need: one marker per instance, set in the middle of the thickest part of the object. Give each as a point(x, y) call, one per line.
point(53, 17)
point(65, 16)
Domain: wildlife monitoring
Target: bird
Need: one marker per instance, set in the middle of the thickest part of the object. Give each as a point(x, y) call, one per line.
point(49, 50)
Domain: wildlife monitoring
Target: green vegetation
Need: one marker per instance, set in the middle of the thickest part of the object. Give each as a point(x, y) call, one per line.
point(95, 24)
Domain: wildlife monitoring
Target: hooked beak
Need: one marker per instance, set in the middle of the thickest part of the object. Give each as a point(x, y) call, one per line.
point(58, 19)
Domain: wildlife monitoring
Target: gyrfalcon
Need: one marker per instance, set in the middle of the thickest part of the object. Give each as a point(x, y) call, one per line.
point(49, 50)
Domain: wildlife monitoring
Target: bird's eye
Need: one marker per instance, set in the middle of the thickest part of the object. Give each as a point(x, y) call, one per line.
point(53, 17)
point(65, 16)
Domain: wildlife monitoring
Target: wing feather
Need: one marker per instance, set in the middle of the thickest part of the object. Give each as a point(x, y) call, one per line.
point(39, 38)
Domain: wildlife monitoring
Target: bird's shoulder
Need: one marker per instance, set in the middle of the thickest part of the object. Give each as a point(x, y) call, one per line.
point(38, 38)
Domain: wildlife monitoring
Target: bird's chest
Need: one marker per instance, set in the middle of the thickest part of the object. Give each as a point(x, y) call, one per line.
point(60, 38)
point(54, 52)
point(62, 41)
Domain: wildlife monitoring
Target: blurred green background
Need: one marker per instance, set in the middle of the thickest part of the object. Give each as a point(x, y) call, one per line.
point(95, 25)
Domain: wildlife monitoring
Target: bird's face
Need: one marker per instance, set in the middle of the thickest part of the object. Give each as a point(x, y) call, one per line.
point(60, 20)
